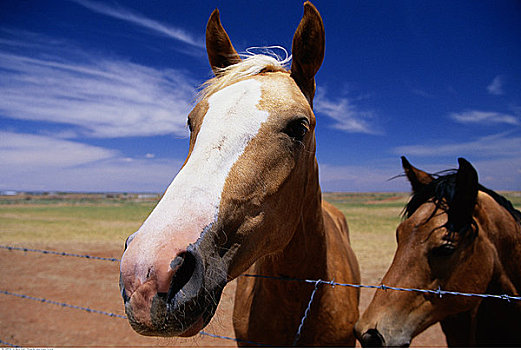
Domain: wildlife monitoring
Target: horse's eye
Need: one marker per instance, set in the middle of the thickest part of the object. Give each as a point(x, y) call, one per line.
point(443, 250)
point(297, 129)
point(189, 124)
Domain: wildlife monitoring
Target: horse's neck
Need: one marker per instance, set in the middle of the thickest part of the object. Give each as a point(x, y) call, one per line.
point(505, 234)
point(305, 255)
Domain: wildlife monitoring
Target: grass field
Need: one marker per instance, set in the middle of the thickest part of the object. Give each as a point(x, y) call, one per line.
point(372, 219)
point(91, 219)
point(98, 225)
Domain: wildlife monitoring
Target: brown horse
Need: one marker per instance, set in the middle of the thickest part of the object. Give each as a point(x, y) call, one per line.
point(247, 199)
point(457, 236)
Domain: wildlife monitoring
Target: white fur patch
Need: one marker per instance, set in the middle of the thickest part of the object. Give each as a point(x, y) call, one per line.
point(192, 200)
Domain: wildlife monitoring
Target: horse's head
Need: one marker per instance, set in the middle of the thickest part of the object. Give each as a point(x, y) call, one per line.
point(439, 246)
point(239, 194)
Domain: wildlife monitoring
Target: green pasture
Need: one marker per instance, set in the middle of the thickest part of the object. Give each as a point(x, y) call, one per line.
point(372, 220)
point(40, 222)
point(66, 221)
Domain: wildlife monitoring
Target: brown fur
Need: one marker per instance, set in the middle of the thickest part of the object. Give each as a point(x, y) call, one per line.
point(308, 51)
point(270, 218)
point(488, 261)
point(221, 52)
point(315, 243)
point(313, 238)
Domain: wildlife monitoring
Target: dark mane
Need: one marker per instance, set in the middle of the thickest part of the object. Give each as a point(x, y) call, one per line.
point(441, 192)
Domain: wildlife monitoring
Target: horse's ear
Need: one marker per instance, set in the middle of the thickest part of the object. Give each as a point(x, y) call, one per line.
point(466, 192)
point(418, 178)
point(221, 52)
point(308, 50)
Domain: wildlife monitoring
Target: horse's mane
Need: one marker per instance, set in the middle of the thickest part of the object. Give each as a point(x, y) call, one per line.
point(441, 192)
point(252, 65)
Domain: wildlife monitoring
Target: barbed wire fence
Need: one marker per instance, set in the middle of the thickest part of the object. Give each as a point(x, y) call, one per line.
point(109, 314)
point(317, 283)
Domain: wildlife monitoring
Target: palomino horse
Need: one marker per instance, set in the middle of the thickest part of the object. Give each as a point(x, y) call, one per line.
point(247, 199)
point(457, 236)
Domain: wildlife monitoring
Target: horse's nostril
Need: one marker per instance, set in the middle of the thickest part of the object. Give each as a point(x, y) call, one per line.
point(372, 339)
point(124, 295)
point(122, 289)
point(183, 266)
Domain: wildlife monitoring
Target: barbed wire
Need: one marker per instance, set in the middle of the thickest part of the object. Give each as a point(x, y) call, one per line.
point(439, 292)
point(110, 314)
point(44, 300)
point(317, 283)
point(306, 312)
point(9, 344)
point(86, 256)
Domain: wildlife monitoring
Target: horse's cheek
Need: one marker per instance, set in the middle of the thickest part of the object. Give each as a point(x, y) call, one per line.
point(479, 270)
point(473, 274)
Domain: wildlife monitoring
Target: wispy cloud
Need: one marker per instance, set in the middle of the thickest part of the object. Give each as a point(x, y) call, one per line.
point(498, 145)
point(422, 93)
point(97, 96)
point(496, 86)
point(137, 19)
point(347, 116)
point(498, 173)
point(484, 117)
point(17, 149)
point(43, 163)
point(362, 178)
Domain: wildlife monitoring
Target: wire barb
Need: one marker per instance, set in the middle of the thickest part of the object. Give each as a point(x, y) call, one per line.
point(9, 344)
point(439, 292)
point(332, 283)
point(110, 314)
point(299, 330)
point(86, 256)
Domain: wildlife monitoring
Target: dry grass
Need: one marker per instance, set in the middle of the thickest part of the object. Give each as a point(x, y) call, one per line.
point(98, 226)
point(68, 222)
point(373, 219)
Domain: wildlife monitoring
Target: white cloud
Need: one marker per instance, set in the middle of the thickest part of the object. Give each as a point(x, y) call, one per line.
point(356, 178)
point(43, 151)
point(498, 145)
point(496, 86)
point(127, 15)
point(98, 97)
point(484, 117)
point(497, 158)
point(422, 93)
point(42, 163)
point(500, 174)
point(347, 115)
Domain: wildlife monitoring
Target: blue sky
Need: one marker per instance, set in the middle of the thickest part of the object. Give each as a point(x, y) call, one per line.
point(94, 94)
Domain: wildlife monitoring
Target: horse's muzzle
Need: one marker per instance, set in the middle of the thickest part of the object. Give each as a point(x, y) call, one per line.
point(178, 303)
point(372, 338)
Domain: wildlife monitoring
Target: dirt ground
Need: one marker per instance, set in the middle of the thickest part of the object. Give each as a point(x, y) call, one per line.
point(94, 284)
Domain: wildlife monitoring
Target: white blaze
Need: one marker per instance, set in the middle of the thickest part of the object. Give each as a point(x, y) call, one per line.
point(192, 200)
